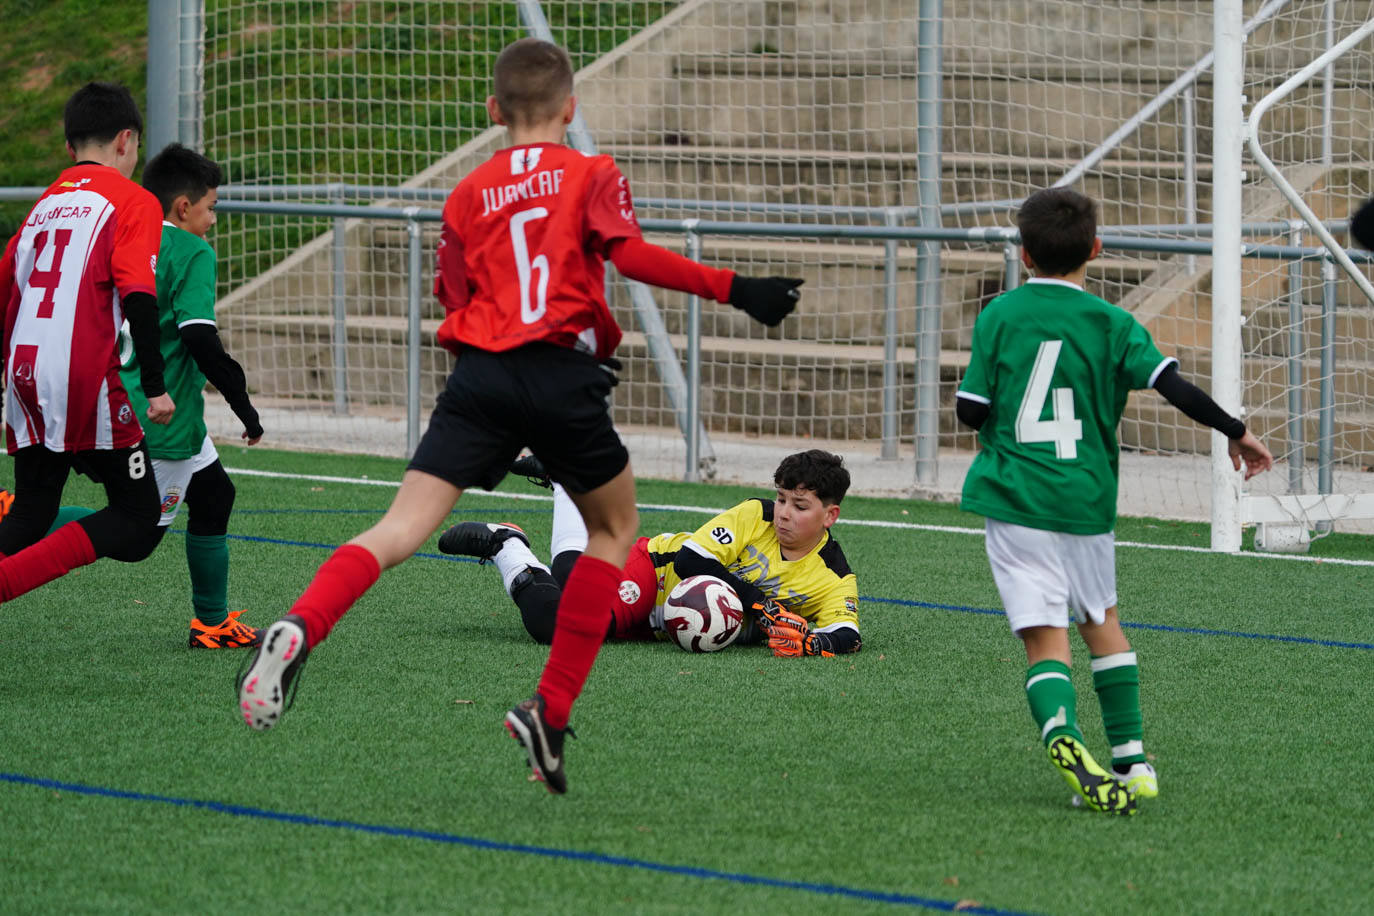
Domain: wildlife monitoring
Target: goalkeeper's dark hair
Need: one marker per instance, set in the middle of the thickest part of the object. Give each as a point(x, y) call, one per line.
point(97, 112)
point(1058, 227)
point(531, 81)
point(179, 170)
point(816, 470)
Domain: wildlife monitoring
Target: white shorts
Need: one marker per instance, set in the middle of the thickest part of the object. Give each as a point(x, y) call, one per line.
point(1047, 577)
point(174, 476)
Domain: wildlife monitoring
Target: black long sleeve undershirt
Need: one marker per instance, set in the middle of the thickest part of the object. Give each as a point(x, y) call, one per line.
point(221, 370)
point(141, 311)
point(688, 562)
point(971, 413)
point(1170, 383)
point(1196, 403)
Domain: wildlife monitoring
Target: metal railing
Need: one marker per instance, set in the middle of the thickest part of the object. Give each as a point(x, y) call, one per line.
point(692, 231)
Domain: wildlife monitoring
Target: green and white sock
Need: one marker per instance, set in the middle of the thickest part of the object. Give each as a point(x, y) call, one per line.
point(1053, 703)
point(1117, 681)
point(207, 558)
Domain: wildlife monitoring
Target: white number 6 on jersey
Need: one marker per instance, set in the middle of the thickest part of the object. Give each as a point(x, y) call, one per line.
point(1065, 429)
point(523, 265)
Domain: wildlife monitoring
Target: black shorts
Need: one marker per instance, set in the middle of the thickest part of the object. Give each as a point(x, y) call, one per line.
point(546, 398)
point(40, 476)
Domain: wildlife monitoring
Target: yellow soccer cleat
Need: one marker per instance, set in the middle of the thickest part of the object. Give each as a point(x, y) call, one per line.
point(1094, 785)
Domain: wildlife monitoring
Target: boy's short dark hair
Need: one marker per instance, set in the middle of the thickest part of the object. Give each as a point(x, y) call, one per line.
point(179, 170)
point(818, 471)
point(1058, 227)
point(97, 112)
point(531, 80)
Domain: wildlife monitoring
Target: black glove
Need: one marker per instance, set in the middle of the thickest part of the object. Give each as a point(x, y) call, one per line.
point(766, 299)
point(1361, 228)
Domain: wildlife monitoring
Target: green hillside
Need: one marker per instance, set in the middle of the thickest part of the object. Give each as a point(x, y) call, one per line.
point(47, 49)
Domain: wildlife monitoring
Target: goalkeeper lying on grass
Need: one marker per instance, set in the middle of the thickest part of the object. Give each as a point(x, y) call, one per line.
point(777, 554)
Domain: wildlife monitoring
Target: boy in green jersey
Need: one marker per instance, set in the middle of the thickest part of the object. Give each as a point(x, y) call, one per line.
point(185, 462)
point(1048, 376)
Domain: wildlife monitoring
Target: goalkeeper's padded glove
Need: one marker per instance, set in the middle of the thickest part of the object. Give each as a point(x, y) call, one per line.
point(768, 612)
point(767, 299)
point(789, 635)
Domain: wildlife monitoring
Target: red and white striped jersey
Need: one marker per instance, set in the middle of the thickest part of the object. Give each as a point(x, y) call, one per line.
point(521, 254)
point(92, 237)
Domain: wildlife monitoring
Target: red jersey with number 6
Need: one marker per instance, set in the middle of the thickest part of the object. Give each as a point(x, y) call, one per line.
point(522, 249)
point(92, 237)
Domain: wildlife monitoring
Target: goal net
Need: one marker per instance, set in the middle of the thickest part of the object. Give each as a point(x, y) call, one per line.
point(793, 114)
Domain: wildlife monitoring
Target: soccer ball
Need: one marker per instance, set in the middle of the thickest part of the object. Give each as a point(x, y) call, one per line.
point(703, 614)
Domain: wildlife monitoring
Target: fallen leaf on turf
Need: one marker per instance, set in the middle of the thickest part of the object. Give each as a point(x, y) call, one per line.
point(144, 603)
point(881, 657)
point(317, 489)
point(966, 904)
point(642, 829)
point(952, 880)
point(462, 702)
point(684, 672)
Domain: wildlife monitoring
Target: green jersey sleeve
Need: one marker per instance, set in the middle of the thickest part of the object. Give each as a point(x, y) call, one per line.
point(193, 301)
point(1141, 362)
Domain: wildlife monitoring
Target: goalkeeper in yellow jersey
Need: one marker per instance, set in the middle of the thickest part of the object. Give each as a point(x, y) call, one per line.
point(777, 554)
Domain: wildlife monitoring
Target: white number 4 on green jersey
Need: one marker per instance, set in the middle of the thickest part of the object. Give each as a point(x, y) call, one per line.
point(1065, 429)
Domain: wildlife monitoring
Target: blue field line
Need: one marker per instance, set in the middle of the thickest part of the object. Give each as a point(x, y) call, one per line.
point(1165, 628)
point(687, 871)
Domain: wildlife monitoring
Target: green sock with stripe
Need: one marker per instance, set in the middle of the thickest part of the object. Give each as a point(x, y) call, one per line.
point(69, 514)
point(1117, 681)
point(207, 558)
point(1053, 703)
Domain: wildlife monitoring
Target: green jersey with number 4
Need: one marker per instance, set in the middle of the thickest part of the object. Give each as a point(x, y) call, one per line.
point(185, 295)
point(1054, 364)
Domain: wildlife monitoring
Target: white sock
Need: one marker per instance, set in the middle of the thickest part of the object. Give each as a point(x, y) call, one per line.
point(568, 531)
point(513, 558)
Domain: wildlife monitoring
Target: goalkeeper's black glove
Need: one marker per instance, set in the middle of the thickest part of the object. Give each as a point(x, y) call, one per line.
point(766, 299)
point(1362, 226)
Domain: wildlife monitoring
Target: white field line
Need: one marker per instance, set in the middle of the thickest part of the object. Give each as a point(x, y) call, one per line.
point(858, 522)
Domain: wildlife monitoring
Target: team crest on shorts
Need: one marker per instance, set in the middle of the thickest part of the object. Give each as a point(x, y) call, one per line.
point(169, 502)
point(629, 591)
point(126, 414)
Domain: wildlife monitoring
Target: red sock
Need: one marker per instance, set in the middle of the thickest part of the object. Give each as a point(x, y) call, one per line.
point(583, 615)
point(340, 581)
point(55, 555)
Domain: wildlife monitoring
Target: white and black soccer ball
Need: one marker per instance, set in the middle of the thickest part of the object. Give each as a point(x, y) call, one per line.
point(703, 614)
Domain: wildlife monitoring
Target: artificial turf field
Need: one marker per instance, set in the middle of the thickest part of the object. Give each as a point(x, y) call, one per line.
point(907, 777)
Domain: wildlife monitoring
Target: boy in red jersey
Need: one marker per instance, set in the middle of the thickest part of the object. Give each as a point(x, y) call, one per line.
point(82, 262)
point(520, 274)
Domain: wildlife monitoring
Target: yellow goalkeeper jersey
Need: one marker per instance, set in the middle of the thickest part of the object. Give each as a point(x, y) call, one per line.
point(818, 586)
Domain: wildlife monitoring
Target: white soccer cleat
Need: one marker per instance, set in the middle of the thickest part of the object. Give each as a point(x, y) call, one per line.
point(1140, 780)
point(265, 688)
